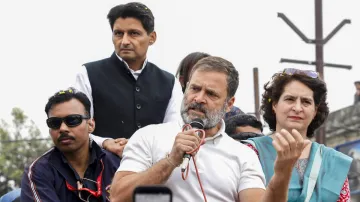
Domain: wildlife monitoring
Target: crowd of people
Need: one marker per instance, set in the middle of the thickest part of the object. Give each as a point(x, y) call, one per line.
point(126, 123)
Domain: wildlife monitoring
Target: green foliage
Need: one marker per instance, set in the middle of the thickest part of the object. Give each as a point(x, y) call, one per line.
point(20, 144)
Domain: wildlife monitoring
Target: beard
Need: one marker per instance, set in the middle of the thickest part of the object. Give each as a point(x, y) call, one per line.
point(210, 118)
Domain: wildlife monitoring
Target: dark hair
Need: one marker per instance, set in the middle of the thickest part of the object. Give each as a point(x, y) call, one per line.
point(241, 120)
point(66, 95)
point(274, 89)
point(245, 135)
point(218, 64)
point(357, 82)
point(186, 64)
point(135, 10)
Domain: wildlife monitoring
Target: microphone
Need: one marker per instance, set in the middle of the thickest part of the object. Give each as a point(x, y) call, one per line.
point(195, 124)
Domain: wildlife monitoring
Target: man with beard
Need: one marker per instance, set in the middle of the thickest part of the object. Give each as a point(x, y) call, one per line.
point(224, 169)
point(76, 169)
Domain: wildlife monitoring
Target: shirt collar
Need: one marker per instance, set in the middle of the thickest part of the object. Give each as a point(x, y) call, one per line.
point(131, 70)
point(95, 153)
point(214, 139)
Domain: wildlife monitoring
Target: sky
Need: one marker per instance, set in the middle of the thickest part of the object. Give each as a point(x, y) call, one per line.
point(44, 43)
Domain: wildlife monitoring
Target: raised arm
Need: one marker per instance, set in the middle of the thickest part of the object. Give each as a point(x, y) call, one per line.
point(289, 146)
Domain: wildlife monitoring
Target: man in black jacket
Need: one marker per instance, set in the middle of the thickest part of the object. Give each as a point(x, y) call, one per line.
point(76, 169)
point(127, 91)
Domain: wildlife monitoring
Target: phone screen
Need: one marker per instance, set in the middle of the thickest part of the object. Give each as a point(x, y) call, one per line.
point(142, 197)
point(156, 193)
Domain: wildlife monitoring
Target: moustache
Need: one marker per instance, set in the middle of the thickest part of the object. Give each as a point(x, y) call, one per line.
point(65, 136)
point(126, 48)
point(196, 106)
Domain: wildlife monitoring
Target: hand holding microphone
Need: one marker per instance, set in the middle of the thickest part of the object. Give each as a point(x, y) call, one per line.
point(195, 124)
point(185, 142)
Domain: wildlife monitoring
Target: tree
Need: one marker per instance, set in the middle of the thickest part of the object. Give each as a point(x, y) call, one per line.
point(20, 144)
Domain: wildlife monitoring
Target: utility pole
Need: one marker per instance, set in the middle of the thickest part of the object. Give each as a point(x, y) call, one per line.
point(319, 42)
point(319, 46)
point(319, 55)
point(256, 92)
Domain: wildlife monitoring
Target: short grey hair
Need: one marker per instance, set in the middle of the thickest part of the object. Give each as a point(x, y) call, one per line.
point(218, 64)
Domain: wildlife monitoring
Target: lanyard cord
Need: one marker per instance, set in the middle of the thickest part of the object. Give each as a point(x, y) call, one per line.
point(187, 127)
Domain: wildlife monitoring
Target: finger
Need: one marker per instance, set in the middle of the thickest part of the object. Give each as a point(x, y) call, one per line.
point(123, 142)
point(195, 139)
point(185, 149)
point(191, 132)
point(120, 150)
point(282, 142)
point(117, 140)
point(289, 139)
point(193, 145)
point(298, 138)
point(277, 146)
point(185, 145)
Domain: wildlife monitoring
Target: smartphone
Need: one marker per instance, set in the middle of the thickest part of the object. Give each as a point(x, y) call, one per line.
point(154, 193)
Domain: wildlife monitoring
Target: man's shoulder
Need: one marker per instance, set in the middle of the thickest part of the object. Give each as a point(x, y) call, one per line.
point(41, 163)
point(159, 70)
point(237, 148)
point(96, 63)
point(158, 130)
point(168, 126)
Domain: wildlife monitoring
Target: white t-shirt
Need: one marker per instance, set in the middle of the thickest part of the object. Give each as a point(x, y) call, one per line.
point(225, 166)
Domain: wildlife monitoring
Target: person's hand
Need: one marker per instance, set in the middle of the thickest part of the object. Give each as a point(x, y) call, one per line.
point(185, 141)
point(115, 146)
point(289, 147)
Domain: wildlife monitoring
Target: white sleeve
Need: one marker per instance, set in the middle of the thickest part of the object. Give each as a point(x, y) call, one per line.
point(137, 152)
point(173, 109)
point(99, 140)
point(82, 83)
point(252, 175)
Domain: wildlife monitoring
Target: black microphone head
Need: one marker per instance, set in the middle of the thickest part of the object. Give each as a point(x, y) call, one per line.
point(197, 123)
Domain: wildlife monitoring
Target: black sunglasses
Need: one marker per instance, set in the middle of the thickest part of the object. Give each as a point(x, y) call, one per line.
point(72, 120)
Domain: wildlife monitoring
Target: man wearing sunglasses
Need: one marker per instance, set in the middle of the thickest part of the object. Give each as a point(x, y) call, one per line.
point(243, 126)
point(76, 169)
